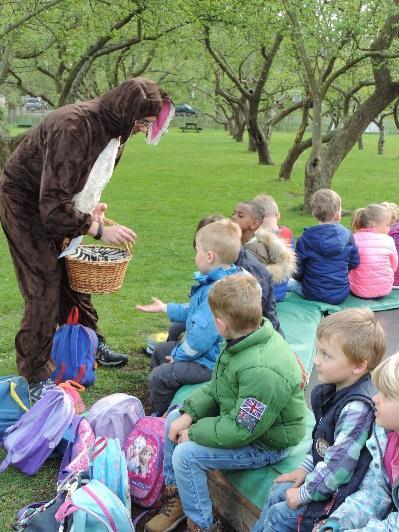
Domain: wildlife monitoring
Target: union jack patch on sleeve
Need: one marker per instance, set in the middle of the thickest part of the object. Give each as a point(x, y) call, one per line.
point(250, 413)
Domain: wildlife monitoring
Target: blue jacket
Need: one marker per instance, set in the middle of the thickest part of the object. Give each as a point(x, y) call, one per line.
point(325, 254)
point(202, 342)
point(374, 507)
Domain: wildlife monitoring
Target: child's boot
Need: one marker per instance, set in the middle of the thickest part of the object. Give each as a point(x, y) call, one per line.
point(192, 527)
point(170, 515)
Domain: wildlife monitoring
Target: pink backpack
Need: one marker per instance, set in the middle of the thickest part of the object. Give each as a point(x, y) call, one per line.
point(76, 456)
point(144, 448)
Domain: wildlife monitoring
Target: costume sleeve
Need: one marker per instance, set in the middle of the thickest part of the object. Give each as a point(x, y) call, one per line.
point(300, 259)
point(66, 150)
point(256, 408)
point(340, 460)
point(201, 335)
point(201, 403)
point(177, 311)
point(354, 258)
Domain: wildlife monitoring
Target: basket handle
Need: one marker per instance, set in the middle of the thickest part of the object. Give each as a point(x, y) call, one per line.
point(128, 245)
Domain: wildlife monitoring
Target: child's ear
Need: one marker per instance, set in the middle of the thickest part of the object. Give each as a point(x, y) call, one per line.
point(361, 368)
point(211, 257)
point(256, 224)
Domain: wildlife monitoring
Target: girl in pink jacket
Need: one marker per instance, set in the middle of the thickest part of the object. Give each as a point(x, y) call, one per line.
point(394, 232)
point(374, 276)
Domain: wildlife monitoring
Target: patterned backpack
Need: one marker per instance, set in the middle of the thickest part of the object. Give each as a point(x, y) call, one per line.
point(76, 455)
point(74, 352)
point(144, 449)
point(107, 463)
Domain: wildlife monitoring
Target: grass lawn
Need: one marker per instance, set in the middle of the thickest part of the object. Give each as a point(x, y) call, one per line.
point(162, 192)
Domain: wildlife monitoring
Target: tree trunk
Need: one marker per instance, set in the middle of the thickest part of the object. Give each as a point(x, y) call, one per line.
point(381, 138)
point(314, 171)
point(251, 142)
point(260, 142)
point(298, 147)
point(360, 143)
point(7, 144)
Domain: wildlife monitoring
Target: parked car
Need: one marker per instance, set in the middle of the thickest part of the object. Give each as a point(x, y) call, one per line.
point(33, 103)
point(185, 109)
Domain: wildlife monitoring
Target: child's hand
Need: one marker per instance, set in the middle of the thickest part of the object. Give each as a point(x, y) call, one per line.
point(292, 498)
point(156, 306)
point(181, 423)
point(183, 436)
point(169, 359)
point(297, 477)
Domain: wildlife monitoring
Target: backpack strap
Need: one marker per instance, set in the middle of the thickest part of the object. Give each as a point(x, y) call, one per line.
point(99, 446)
point(102, 506)
point(74, 347)
point(73, 317)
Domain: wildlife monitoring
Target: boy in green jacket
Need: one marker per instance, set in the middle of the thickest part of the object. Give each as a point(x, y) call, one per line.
point(246, 417)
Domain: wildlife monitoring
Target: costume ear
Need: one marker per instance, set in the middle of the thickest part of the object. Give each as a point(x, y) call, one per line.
point(157, 129)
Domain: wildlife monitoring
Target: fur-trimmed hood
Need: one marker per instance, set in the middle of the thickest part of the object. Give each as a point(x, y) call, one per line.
point(274, 253)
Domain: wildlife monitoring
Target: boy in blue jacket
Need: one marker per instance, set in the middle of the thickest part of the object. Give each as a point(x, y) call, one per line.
point(325, 253)
point(192, 360)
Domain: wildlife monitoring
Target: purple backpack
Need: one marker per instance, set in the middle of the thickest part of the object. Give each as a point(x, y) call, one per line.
point(115, 416)
point(38, 432)
point(144, 449)
point(74, 352)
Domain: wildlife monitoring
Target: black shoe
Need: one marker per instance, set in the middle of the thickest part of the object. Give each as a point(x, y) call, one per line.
point(38, 389)
point(108, 357)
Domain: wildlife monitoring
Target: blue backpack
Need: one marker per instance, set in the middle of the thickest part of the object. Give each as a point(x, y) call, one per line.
point(14, 401)
point(74, 352)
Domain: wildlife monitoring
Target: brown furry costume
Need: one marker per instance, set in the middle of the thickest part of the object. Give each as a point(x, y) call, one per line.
point(40, 179)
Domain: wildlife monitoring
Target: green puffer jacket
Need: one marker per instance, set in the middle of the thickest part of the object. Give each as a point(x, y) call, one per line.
point(260, 376)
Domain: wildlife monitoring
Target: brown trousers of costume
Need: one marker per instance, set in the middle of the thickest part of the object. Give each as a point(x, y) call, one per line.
point(44, 286)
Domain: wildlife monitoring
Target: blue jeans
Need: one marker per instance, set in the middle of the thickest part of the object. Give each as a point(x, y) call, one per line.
point(295, 286)
point(276, 516)
point(186, 464)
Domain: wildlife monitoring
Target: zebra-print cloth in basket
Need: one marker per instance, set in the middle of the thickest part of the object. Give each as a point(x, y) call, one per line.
point(96, 254)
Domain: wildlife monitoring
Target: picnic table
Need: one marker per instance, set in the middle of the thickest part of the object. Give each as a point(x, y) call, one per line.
point(191, 126)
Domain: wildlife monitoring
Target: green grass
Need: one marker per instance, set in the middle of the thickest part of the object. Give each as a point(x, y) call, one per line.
point(162, 192)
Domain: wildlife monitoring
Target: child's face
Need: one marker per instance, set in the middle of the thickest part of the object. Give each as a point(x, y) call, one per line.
point(333, 366)
point(243, 217)
point(386, 411)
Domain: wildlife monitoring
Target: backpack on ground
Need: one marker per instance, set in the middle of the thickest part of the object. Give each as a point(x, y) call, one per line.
point(40, 516)
point(76, 455)
point(32, 439)
point(115, 416)
point(144, 449)
point(14, 401)
point(107, 463)
point(74, 352)
point(94, 508)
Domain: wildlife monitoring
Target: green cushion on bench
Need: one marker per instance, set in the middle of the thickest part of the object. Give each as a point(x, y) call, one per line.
point(388, 302)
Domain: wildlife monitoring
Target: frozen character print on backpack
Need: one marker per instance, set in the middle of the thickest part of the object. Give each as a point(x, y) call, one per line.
point(133, 454)
point(145, 458)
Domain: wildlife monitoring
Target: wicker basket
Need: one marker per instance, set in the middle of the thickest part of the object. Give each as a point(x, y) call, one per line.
point(100, 277)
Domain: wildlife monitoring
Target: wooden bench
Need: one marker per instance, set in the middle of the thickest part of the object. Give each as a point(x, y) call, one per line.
point(25, 122)
point(191, 126)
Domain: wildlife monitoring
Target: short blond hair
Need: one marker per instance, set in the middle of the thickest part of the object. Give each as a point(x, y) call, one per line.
point(237, 299)
point(358, 333)
point(386, 376)
point(223, 237)
point(268, 203)
point(325, 204)
point(393, 209)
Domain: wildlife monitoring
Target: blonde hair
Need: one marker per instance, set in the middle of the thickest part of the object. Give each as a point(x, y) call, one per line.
point(386, 376)
point(358, 333)
point(325, 204)
point(393, 210)
point(370, 216)
point(238, 300)
point(268, 203)
point(223, 237)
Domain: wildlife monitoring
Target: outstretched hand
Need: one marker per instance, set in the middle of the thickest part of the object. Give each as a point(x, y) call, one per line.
point(156, 306)
point(118, 234)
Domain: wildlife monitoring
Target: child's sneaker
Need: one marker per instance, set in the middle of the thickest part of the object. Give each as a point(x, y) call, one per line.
point(170, 515)
point(38, 389)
